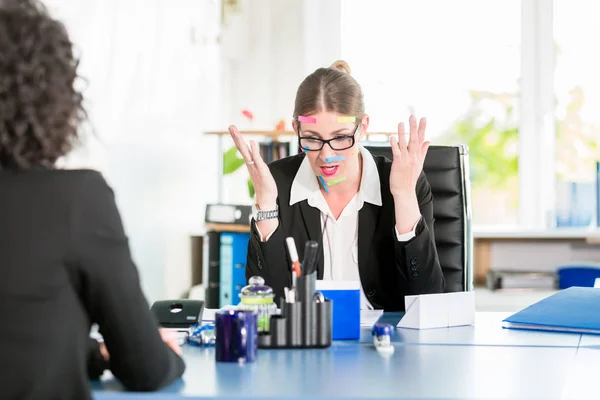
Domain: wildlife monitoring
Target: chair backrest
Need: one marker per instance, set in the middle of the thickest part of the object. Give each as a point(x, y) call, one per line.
point(447, 170)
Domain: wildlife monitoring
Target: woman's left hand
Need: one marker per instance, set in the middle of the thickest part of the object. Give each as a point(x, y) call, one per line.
point(408, 158)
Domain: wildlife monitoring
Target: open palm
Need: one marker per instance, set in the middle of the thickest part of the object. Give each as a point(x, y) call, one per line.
point(262, 179)
point(408, 157)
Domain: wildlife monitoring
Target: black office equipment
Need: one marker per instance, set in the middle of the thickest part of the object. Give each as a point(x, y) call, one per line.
point(178, 314)
point(228, 214)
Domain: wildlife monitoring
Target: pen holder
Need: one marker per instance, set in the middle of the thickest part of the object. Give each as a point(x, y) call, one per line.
point(306, 323)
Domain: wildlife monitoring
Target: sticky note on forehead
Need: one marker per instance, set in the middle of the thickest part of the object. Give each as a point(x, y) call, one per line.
point(346, 119)
point(302, 118)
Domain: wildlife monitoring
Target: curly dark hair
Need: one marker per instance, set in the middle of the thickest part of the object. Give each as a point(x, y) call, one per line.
point(40, 108)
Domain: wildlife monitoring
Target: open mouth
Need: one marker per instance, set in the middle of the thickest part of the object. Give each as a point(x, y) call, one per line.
point(329, 170)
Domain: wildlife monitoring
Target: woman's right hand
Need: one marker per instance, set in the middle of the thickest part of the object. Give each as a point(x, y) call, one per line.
point(262, 179)
point(264, 184)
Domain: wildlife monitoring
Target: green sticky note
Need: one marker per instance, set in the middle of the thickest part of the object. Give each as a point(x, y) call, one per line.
point(335, 181)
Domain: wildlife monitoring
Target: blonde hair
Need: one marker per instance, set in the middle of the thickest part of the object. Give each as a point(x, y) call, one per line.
point(341, 66)
point(330, 89)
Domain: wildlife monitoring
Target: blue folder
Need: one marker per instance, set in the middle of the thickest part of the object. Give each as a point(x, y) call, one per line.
point(574, 310)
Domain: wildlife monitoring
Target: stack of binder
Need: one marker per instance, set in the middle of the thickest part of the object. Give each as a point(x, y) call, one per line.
point(225, 253)
point(574, 310)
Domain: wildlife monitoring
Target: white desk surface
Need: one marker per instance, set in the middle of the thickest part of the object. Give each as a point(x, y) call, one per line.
point(487, 331)
point(479, 362)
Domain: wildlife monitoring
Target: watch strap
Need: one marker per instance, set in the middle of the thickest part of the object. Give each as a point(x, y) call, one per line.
point(261, 215)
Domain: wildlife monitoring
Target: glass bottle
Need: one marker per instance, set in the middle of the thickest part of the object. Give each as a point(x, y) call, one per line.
point(258, 297)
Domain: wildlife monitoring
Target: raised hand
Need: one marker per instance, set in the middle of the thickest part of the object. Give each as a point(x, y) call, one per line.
point(264, 184)
point(408, 158)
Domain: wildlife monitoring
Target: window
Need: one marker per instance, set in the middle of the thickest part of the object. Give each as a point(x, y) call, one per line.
point(461, 72)
point(577, 91)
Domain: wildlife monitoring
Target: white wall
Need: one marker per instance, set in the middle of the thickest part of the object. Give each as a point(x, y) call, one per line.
point(152, 67)
point(267, 50)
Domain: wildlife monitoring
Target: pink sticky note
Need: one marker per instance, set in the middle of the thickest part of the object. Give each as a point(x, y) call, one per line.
point(302, 118)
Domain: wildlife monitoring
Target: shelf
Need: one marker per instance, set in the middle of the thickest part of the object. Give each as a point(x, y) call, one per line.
point(284, 133)
point(589, 235)
point(255, 133)
point(227, 228)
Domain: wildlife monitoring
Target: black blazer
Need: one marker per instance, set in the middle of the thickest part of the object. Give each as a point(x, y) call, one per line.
point(65, 264)
point(388, 269)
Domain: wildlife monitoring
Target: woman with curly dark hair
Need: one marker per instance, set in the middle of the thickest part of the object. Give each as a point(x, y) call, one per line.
point(64, 256)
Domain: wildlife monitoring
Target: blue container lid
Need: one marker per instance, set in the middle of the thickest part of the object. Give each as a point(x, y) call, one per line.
point(382, 329)
point(577, 275)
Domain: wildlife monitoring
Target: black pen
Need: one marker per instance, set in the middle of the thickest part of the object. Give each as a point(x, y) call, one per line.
point(311, 251)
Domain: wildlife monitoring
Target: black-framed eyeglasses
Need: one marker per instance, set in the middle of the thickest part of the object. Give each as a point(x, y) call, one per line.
point(339, 142)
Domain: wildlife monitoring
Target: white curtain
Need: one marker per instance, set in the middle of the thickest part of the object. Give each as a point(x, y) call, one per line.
point(152, 86)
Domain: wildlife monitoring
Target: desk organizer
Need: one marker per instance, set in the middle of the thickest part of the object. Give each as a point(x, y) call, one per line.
point(305, 323)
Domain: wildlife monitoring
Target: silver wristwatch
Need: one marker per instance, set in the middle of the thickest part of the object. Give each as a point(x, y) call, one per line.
point(261, 215)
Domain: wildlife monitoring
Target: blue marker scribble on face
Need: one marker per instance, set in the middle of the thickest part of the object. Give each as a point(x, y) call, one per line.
point(334, 159)
point(324, 184)
point(306, 148)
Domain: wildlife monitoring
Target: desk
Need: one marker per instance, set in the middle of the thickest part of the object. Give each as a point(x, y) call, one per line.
point(479, 362)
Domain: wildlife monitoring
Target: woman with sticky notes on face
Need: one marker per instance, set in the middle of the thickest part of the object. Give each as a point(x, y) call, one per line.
point(372, 217)
point(65, 261)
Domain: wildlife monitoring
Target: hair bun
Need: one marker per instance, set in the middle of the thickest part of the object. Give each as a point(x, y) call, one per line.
point(342, 66)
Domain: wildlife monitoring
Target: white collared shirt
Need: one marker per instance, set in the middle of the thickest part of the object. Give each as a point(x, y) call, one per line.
point(340, 238)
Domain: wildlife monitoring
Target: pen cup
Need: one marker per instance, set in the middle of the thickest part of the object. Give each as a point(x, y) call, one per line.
point(324, 323)
point(278, 329)
point(305, 287)
point(292, 313)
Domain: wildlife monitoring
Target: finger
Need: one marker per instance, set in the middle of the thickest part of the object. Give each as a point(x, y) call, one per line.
point(167, 335)
point(240, 143)
point(402, 138)
point(174, 346)
point(424, 149)
point(422, 127)
point(394, 145)
point(413, 139)
point(104, 352)
point(258, 161)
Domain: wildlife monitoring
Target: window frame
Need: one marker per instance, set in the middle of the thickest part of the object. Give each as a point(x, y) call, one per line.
point(537, 133)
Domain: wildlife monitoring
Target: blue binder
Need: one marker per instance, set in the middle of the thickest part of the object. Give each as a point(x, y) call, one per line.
point(234, 250)
point(573, 310)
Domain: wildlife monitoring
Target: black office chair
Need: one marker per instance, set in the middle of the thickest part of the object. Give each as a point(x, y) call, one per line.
point(447, 170)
